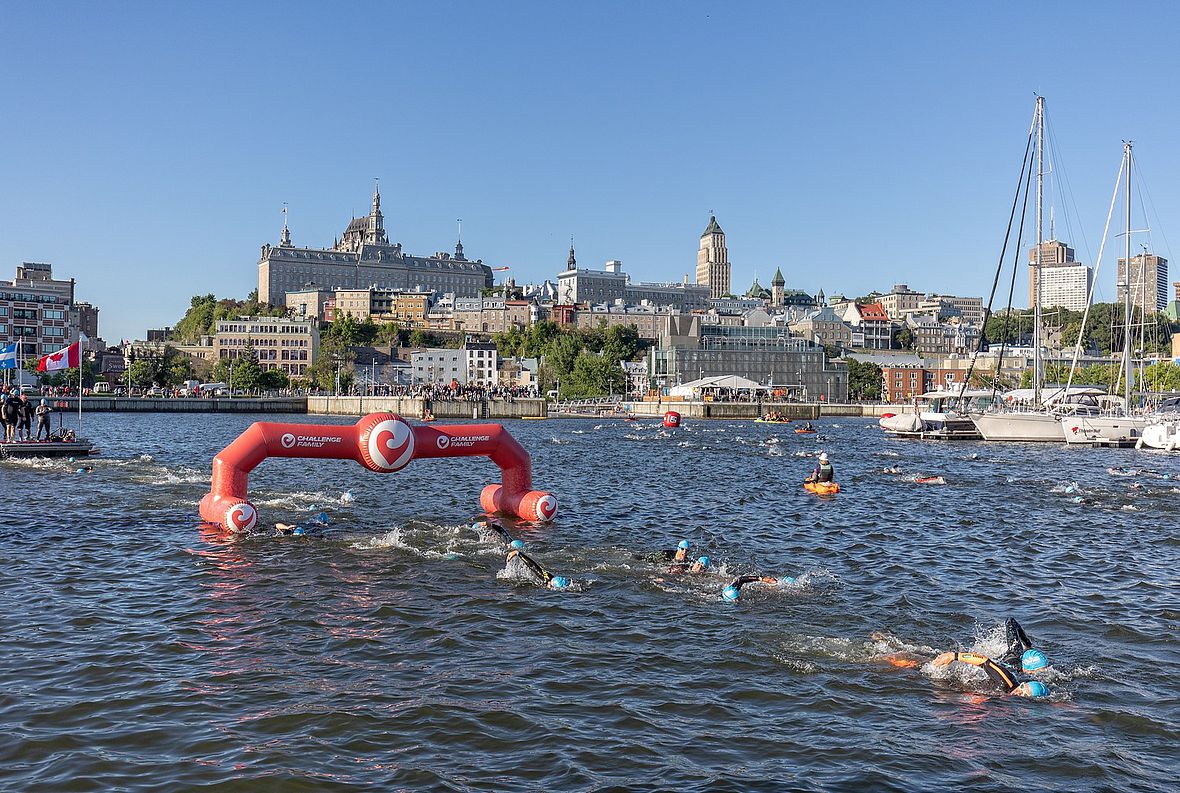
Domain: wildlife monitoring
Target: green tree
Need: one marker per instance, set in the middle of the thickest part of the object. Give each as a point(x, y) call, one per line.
point(1161, 377)
point(247, 374)
point(143, 373)
point(593, 375)
point(621, 343)
point(903, 338)
point(274, 380)
point(864, 380)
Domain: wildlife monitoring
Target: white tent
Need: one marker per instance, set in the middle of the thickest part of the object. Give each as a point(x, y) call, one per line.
point(730, 381)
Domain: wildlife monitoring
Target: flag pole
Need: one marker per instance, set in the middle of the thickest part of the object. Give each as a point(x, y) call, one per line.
point(79, 343)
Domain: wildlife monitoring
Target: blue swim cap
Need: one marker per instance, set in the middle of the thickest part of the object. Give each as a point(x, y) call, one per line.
point(1035, 688)
point(684, 545)
point(1033, 661)
point(558, 582)
point(517, 544)
point(703, 561)
point(322, 518)
point(298, 530)
point(730, 593)
point(786, 580)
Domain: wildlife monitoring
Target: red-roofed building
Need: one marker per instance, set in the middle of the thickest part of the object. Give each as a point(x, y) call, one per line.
point(871, 326)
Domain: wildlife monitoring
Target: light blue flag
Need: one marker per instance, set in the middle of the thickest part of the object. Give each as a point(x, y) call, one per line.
point(8, 356)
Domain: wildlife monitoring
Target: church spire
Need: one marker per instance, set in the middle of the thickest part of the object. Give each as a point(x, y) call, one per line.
point(285, 239)
point(571, 263)
point(459, 244)
point(375, 231)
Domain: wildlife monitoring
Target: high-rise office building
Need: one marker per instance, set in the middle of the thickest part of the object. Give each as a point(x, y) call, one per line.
point(713, 267)
point(1149, 281)
point(1064, 281)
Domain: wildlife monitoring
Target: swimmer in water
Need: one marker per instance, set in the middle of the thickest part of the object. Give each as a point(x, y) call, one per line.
point(493, 528)
point(678, 555)
point(733, 590)
point(1019, 651)
point(699, 565)
point(292, 530)
point(545, 577)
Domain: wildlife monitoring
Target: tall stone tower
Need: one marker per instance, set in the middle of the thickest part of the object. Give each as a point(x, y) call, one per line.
point(778, 288)
point(713, 268)
point(375, 230)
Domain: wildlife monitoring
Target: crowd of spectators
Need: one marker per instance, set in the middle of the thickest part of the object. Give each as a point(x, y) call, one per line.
point(456, 392)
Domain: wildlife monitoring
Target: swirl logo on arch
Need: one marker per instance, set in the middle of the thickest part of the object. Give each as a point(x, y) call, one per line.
point(288, 440)
point(546, 507)
point(241, 517)
point(443, 442)
point(391, 445)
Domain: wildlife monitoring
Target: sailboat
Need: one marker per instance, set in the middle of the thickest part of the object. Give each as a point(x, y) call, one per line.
point(1163, 427)
point(1121, 426)
point(1034, 417)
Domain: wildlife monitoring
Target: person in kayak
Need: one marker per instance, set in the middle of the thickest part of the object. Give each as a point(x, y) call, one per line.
point(733, 590)
point(1019, 651)
point(544, 577)
point(823, 470)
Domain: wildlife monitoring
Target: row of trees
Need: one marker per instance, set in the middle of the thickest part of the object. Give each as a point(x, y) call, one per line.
point(580, 363)
point(1104, 328)
point(1156, 378)
point(205, 310)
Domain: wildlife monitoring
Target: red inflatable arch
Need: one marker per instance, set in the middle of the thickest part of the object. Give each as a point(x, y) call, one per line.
point(381, 442)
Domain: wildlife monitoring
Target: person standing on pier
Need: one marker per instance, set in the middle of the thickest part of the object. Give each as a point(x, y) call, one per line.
point(24, 427)
point(8, 413)
point(42, 412)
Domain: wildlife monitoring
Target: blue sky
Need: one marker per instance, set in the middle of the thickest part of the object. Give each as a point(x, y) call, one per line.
point(148, 147)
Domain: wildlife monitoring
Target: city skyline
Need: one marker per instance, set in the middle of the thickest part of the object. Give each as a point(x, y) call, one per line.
point(892, 162)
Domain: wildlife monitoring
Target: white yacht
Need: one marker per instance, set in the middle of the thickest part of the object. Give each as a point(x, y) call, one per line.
point(1022, 419)
point(939, 415)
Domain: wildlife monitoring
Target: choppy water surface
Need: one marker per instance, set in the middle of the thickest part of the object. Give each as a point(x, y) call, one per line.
point(139, 651)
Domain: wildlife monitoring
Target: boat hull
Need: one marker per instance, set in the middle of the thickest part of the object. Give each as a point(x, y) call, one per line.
point(1087, 430)
point(47, 449)
point(1163, 435)
point(1019, 427)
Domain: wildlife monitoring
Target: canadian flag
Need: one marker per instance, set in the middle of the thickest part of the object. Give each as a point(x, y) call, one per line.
point(65, 358)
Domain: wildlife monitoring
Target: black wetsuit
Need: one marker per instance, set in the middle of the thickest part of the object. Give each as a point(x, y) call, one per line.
point(1003, 672)
point(25, 410)
point(742, 580)
point(1017, 641)
point(9, 411)
point(533, 566)
point(500, 530)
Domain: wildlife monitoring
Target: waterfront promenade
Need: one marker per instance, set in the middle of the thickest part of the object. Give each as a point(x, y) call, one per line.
point(414, 407)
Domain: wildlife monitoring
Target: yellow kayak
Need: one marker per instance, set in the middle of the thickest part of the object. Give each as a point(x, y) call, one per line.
point(772, 421)
point(822, 488)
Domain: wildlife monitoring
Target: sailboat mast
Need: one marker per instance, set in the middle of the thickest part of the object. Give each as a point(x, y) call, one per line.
point(1038, 364)
point(1127, 287)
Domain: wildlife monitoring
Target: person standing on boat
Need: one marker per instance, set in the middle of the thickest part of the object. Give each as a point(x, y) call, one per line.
point(24, 427)
point(42, 412)
point(823, 470)
point(8, 414)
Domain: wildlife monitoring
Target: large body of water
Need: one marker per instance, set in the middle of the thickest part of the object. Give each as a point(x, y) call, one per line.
point(139, 651)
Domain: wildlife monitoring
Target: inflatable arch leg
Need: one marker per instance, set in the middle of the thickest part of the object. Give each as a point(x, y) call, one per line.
point(381, 442)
